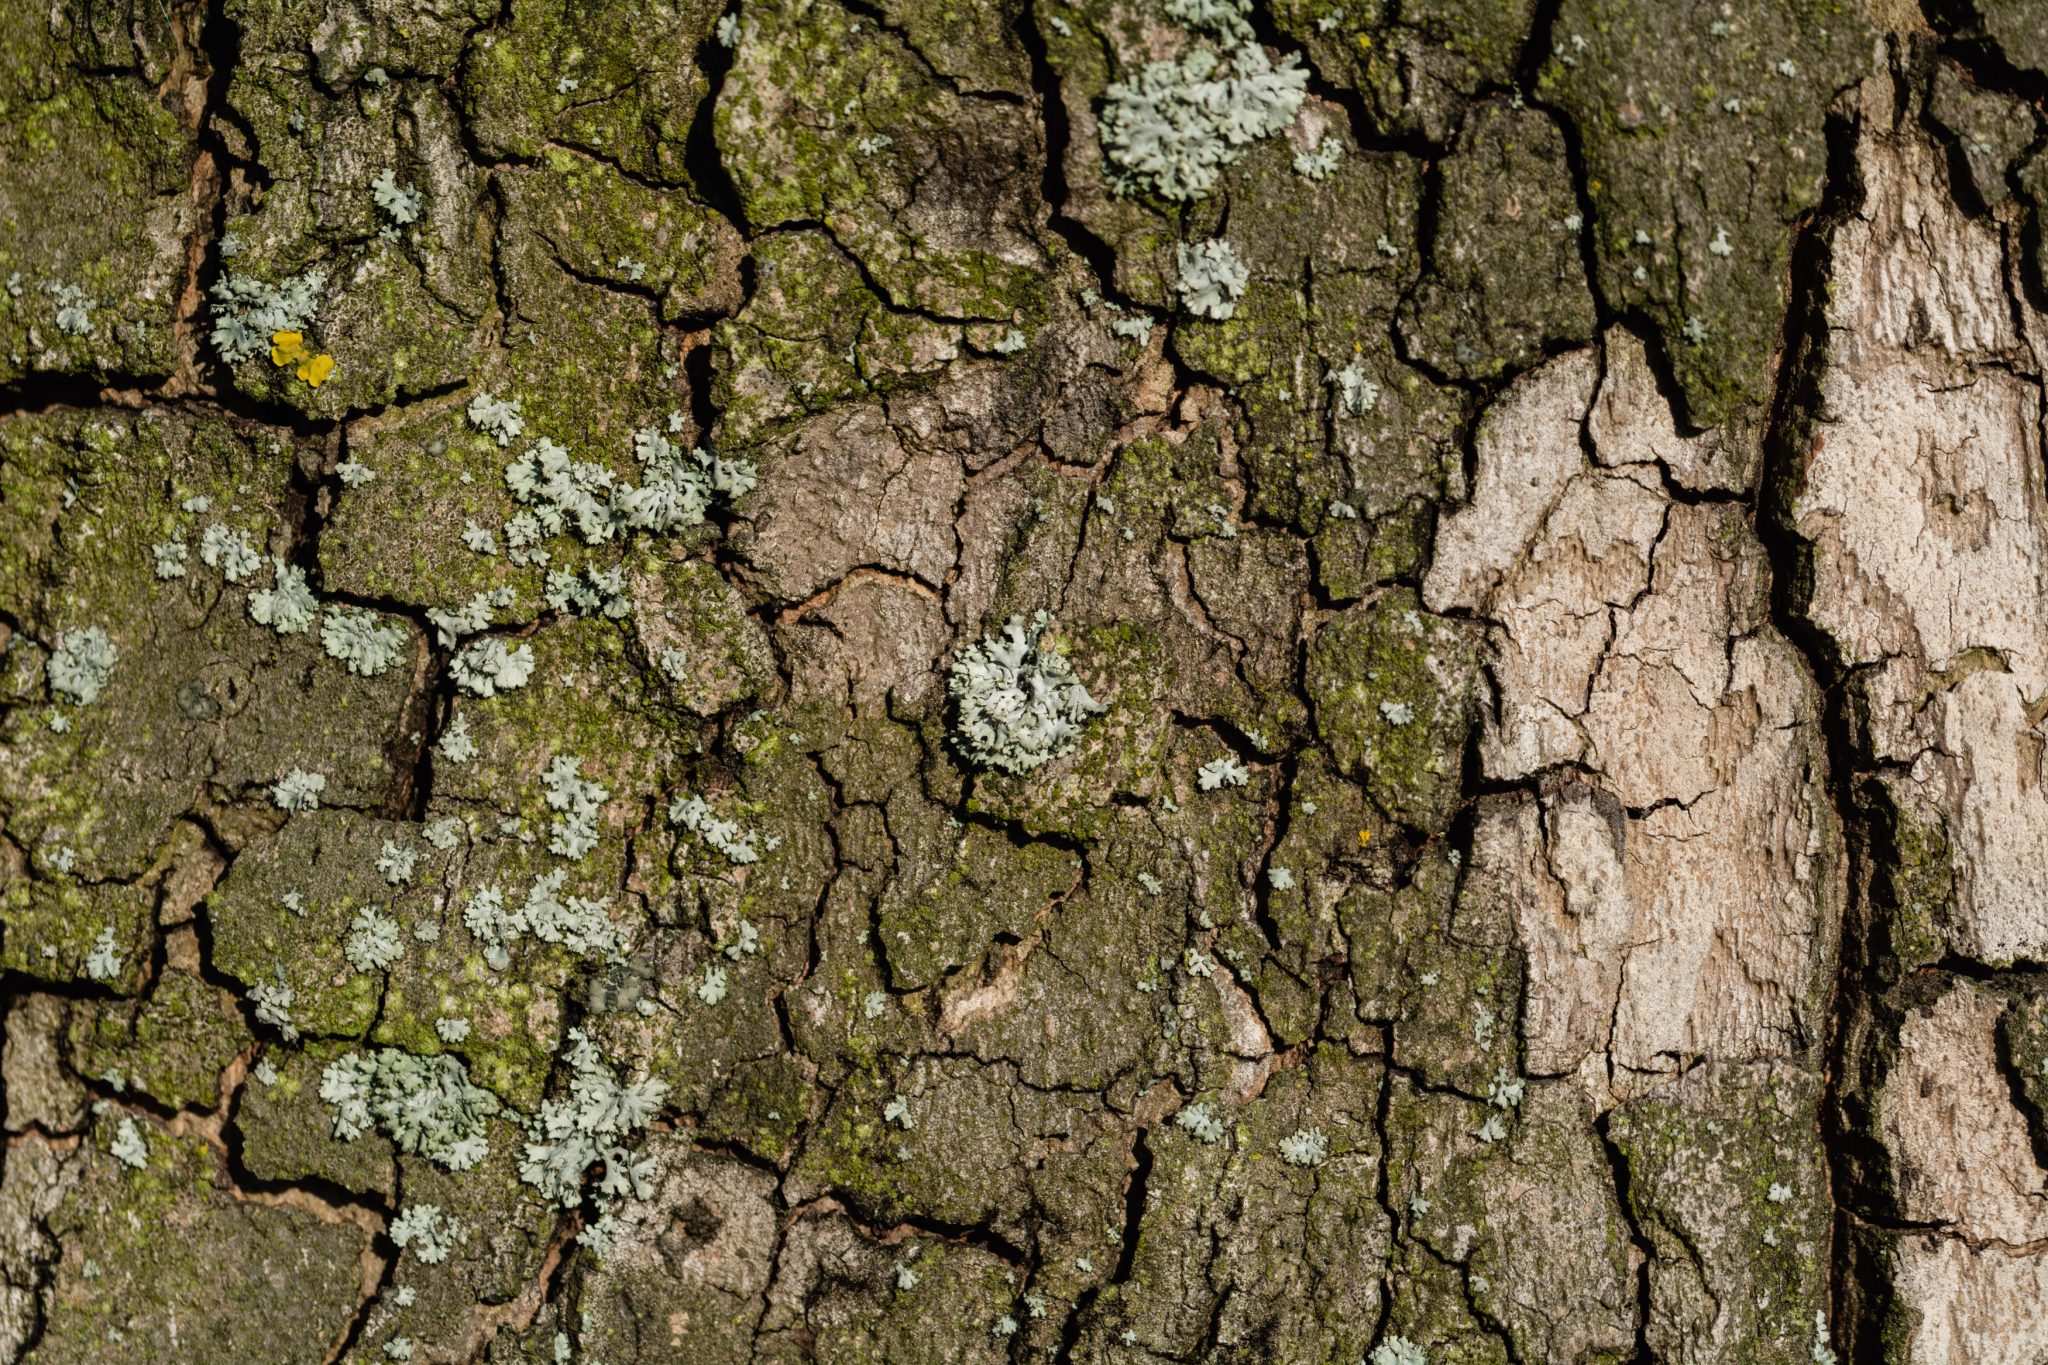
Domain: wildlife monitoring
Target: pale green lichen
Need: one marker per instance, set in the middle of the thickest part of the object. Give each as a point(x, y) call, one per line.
point(225, 548)
point(490, 666)
point(298, 791)
point(455, 743)
point(1020, 702)
point(402, 202)
point(496, 417)
point(168, 558)
point(360, 639)
point(128, 1147)
point(373, 941)
point(396, 863)
point(79, 667)
point(1398, 1351)
point(429, 1233)
point(590, 1125)
point(694, 813)
point(103, 963)
point(1173, 126)
point(1200, 1122)
point(577, 802)
point(289, 607)
point(1212, 278)
point(247, 312)
point(425, 1105)
point(1222, 771)
point(1305, 1147)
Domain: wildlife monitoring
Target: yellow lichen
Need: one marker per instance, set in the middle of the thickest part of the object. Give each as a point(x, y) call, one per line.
point(289, 348)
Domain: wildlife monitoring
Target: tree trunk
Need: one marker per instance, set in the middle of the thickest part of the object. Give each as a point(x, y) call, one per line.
point(856, 680)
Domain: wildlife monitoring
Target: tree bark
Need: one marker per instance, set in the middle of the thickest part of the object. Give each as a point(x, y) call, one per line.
point(868, 680)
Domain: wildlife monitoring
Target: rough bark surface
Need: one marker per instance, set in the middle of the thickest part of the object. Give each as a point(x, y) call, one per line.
point(1560, 870)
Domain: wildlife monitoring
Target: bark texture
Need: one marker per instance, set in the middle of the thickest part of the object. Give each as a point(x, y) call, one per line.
point(1559, 872)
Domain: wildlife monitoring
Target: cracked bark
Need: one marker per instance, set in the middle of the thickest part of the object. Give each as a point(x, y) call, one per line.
point(1627, 944)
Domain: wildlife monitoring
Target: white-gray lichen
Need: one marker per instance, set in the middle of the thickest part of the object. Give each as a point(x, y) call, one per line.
point(1398, 1351)
point(490, 666)
point(1305, 1147)
point(1212, 278)
point(589, 1125)
point(288, 607)
point(1321, 159)
point(128, 1146)
point(582, 925)
point(298, 791)
point(429, 1233)
point(247, 311)
point(1019, 700)
point(225, 548)
point(455, 743)
point(168, 558)
point(402, 202)
point(274, 1000)
point(471, 618)
point(1200, 1122)
point(498, 418)
point(360, 639)
point(577, 803)
point(373, 941)
point(587, 500)
point(425, 1105)
point(74, 309)
point(694, 813)
point(1172, 126)
point(396, 863)
point(80, 665)
point(1223, 771)
point(1356, 393)
point(103, 963)
point(589, 592)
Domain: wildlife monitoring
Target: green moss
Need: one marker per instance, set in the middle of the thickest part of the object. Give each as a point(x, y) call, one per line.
point(1506, 285)
point(1648, 85)
point(812, 337)
point(171, 1047)
point(620, 83)
point(1395, 697)
point(164, 1261)
point(100, 171)
point(1415, 66)
point(1703, 1155)
point(1913, 883)
point(827, 118)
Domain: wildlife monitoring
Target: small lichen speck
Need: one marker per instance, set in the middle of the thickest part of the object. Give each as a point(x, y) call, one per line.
point(1200, 1122)
point(298, 791)
point(128, 1147)
point(1305, 1147)
point(1223, 771)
